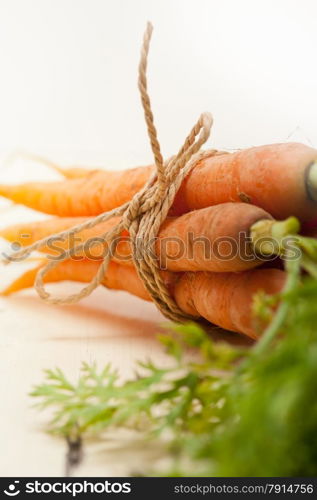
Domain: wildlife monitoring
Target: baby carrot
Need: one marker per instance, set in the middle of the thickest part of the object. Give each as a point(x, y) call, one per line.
point(116, 278)
point(211, 239)
point(224, 299)
point(280, 178)
point(28, 233)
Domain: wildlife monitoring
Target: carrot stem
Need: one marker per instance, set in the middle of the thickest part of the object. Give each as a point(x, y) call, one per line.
point(293, 267)
point(308, 245)
point(269, 236)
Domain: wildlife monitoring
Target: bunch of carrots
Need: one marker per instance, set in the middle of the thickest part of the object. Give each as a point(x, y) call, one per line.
point(250, 192)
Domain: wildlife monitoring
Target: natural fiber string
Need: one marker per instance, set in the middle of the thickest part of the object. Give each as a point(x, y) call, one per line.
point(142, 216)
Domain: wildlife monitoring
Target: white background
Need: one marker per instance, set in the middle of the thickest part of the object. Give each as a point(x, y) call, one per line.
point(69, 70)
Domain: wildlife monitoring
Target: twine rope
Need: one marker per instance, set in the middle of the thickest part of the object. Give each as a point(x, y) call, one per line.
point(142, 216)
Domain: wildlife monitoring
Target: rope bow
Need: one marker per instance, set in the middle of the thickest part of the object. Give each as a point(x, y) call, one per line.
point(142, 216)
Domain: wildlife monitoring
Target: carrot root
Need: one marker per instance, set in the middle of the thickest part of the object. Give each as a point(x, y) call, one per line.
point(211, 239)
point(280, 178)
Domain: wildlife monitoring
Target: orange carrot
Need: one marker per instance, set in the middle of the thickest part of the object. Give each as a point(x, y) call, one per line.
point(83, 196)
point(280, 178)
point(27, 234)
point(225, 299)
point(222, 298)
point(116, 278)
point(210, 239)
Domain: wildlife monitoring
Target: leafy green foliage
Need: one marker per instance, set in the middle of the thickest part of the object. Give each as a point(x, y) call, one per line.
point(225, 411)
